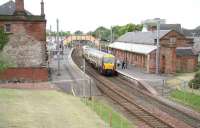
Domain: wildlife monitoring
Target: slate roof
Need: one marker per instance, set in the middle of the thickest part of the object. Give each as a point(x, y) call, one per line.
point(9, 8)
point(147, 38)
point(185, 51)
point(198, 27)
point(191, 33)
point(176, 27)
point(136, 48)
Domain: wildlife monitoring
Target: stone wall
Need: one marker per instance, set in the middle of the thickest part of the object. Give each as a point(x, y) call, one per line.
point(35, 29)
point(24, 50)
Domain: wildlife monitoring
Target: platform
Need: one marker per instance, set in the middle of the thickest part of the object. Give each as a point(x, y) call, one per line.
point(71, 79)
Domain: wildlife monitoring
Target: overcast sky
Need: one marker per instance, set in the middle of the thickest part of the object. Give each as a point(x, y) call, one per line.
point(87, 15)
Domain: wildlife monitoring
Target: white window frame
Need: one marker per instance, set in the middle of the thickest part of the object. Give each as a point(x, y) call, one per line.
point(172, 40)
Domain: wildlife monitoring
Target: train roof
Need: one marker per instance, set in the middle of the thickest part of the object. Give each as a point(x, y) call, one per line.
point(98, 53)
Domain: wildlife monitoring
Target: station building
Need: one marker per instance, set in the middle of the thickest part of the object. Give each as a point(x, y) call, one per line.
point(26, 48)
point(139, 49)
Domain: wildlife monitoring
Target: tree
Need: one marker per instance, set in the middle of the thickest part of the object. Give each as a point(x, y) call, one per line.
point(121, 30)
point(105, 34)
point(102, 33)
point(78, 32)
point(3, 38)
point(62, 33)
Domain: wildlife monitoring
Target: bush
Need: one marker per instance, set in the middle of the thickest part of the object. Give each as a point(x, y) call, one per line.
point(3, 66)
point(5, 63)
point(195, 83)
point(198, 67)
point(3, 38)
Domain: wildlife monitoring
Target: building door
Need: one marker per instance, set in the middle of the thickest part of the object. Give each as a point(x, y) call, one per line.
point(163, 64)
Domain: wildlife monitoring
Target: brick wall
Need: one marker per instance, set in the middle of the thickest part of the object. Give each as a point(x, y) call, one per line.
point(34, 29)
point(136, 59)
point(168, 60)
point(186, 63)
point(27, 74)
point(152, 62)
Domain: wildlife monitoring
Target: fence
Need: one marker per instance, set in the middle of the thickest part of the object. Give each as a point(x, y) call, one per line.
point(183, 85)
point(111, 118)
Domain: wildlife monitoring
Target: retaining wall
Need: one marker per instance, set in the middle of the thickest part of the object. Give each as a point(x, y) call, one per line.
point(25, 74)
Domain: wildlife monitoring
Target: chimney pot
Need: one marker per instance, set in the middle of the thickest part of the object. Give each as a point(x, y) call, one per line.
point(42, 8)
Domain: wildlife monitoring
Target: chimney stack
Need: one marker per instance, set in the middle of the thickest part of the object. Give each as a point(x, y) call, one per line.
point(42, 8)
point(19, 5)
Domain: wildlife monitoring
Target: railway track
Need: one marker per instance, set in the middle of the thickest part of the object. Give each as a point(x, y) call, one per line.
point(112, 87)
point(148, 100)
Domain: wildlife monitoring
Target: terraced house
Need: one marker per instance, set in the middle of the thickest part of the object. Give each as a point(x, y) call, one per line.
point(27, 41)
point(139, 48)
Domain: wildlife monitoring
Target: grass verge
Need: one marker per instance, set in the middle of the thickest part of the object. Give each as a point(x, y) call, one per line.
point(187, 98)
point(107, 114)
point(44, 109)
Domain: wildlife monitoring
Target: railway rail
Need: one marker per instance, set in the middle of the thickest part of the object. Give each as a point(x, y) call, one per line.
point(150, 101)
point(125, 94)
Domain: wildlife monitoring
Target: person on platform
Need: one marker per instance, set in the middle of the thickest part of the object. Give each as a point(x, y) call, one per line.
point(123, 64)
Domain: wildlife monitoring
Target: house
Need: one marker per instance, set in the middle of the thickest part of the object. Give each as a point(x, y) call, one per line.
point(27, 41)
point(139, 49)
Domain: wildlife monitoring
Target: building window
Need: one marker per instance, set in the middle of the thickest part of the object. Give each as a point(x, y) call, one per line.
point(7, 28)
point(172, 40)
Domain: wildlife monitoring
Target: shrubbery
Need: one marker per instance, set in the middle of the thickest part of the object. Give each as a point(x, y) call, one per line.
point(3, 65)
point(195, 83)
point(3, 38)
point(3, 41)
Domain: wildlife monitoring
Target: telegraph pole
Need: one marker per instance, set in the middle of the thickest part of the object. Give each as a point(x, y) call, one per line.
point(58, 43)
point(111, 35)
point(158, 46)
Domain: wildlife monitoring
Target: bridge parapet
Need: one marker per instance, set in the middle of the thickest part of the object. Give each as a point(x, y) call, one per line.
point(72, 38)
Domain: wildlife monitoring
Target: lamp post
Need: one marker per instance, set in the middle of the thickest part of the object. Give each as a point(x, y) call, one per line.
point(111, 35)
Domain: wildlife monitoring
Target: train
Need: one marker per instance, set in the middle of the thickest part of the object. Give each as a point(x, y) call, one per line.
point(105, 63)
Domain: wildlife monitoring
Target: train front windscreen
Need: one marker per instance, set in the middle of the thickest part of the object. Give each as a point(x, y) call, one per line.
point(110, 60)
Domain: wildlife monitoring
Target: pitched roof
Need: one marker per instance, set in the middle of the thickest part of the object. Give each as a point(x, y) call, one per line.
point(141, 37)
point(185, 51)
point(136, 48)
point(191, 33)
point(9, 8)
point(198, 27)
point(176, 27)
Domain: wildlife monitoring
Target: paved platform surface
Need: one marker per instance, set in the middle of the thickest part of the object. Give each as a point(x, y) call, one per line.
point(153, 80)
point(71, 80)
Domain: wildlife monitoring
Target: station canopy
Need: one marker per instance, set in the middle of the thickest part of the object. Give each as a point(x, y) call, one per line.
point(136, 48)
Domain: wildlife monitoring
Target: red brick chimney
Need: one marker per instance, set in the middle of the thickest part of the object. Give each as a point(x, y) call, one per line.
point(19, 5)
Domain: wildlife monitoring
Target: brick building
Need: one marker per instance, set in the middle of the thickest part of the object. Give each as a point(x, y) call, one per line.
point(139, 49)
point(27, 41)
